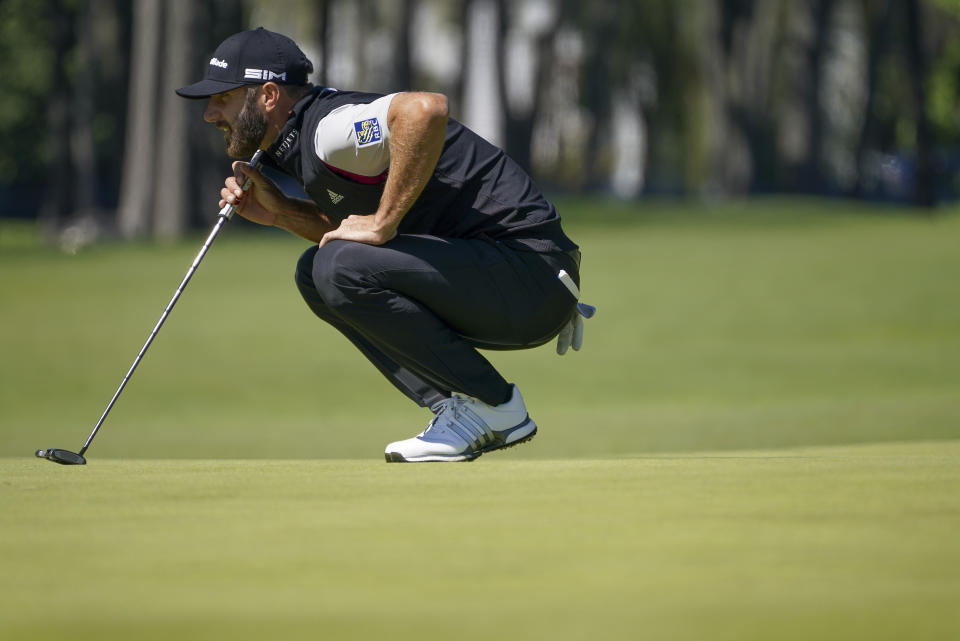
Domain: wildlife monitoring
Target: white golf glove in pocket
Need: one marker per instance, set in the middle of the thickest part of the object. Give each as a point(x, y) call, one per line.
point(572, 333)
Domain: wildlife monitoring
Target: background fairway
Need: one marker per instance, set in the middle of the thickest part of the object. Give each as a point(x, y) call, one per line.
point(763, 325)
point(760, 439)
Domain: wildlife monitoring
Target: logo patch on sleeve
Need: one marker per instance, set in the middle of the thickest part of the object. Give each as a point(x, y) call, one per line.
point(368, 131)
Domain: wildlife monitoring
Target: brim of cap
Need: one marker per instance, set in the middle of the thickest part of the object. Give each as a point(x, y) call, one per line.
point(207, 88)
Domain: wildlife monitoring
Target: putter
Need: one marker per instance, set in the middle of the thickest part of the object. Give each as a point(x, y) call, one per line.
point(66, 457)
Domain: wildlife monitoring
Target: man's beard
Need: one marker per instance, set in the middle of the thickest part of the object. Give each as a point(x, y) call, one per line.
point(244, 138)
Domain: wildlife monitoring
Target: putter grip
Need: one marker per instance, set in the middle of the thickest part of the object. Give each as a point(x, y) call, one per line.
point(228, 209)
point(569, 284)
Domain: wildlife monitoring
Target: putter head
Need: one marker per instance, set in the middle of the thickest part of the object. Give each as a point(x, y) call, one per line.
point(63, 457)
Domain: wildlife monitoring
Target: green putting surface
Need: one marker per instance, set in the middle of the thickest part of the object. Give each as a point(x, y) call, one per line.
point(855, 542)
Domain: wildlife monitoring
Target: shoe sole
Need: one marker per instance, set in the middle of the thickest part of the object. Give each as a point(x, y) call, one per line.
point(397, 457)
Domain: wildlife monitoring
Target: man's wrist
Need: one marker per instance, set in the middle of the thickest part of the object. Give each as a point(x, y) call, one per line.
point(386, 224)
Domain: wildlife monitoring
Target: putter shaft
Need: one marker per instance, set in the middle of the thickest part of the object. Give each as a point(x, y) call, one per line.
point(225, 214)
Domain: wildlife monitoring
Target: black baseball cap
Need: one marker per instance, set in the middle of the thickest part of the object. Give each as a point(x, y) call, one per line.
point(251, 58)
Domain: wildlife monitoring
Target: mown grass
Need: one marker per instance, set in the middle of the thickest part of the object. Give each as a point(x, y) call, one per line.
point(854, 542)
point(759, 440)
point(763, 325)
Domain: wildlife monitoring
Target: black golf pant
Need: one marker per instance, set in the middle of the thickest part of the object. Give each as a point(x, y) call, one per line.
point(418, 307)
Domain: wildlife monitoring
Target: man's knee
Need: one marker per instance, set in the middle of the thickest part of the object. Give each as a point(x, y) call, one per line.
point(304, 274)
point(338, 269)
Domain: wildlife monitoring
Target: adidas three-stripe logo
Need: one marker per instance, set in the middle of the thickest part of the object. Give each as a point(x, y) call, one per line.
point(471, 428)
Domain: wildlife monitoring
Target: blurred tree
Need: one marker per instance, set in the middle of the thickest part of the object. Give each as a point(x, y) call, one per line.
point(460, 86)
point(670, 110)
point(533, 42)
point(811, 174)
point(61, 191)
point(729, 96)
point(27, 48)
point(308, 22)
point(324, 32)
point(171, 162)
point(878, 15)
point(733, 66)
point(608, 47)
point(599, 80)
point(924, 190)
point(82, 152)
point(403, 65)
point(943, 98)
point(214, 21)
point(171, 198)
point(134, 213)
point(110, 22)
point(84, 113)
point(911, 112)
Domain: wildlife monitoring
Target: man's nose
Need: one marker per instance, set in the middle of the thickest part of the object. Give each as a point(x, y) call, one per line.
point(211, 113)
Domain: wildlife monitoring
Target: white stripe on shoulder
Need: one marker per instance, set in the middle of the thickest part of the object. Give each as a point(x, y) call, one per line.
point(355, 138)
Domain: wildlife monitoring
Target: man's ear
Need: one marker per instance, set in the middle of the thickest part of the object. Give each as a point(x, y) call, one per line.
point(272, 96)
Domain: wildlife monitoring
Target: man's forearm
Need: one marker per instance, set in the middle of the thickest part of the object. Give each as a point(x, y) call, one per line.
point(304, 219)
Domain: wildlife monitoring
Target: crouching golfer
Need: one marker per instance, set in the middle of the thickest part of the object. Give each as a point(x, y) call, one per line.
point(429, 242)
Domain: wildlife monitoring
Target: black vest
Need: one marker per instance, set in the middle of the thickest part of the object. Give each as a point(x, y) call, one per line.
point(476, 190)
point(335, 195)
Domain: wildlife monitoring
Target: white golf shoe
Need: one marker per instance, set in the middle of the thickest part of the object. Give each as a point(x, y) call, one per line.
point(463, 428)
